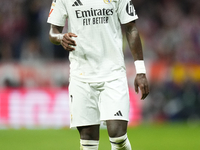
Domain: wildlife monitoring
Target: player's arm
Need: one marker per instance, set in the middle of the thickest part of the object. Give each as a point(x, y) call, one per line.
point(57, 38)
point(135, 45)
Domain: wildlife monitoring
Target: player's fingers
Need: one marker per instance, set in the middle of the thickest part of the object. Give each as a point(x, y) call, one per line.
point(68, 43)
point(67, 47)
point(142, 89)
point(72, 34)
point(144, 96)
point(146, 91)
point(67, 39)
point(70, 48)
point(136, 87)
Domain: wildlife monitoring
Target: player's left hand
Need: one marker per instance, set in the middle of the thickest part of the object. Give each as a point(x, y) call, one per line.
point(141, 82)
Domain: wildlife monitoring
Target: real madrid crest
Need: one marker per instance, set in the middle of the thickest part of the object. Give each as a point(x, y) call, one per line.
point(107, 1)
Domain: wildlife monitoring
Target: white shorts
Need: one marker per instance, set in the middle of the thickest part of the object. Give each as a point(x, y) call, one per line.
point(91, 103)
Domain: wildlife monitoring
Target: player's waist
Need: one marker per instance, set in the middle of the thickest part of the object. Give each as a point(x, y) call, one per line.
point(98, 77)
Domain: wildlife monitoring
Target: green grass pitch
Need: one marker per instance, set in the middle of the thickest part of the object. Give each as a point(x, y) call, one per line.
point(143, 137)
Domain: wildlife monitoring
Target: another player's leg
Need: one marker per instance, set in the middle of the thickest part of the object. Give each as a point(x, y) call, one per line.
point(89, 137)
point(117, 131)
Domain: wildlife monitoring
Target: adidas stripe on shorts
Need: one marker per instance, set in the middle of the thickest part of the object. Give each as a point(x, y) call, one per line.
point(91, 103)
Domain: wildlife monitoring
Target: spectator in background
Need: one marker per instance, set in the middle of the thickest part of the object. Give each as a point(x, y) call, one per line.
point(165, 26)
point(31, 51)
point(12, 26)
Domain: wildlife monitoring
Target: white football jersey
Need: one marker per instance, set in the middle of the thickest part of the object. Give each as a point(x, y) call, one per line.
point(98, 55)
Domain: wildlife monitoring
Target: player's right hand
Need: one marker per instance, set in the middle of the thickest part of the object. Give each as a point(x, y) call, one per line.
point(67, 42)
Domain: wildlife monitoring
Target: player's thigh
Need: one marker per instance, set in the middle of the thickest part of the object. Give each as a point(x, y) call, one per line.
point(114, 103)
point(83, 104)
point(116, 128)
point(89, 132)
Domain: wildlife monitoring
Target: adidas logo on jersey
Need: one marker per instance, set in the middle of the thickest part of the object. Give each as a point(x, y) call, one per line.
point(118, 113)
point(77, 3)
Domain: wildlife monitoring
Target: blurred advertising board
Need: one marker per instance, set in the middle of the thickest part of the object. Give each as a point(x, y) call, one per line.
point(45, 108)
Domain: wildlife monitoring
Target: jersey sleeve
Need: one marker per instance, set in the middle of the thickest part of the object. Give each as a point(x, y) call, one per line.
point(126, 11)
point(58, 13)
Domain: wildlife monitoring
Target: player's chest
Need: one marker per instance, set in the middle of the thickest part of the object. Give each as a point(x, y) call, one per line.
point(88, 8)
point(91, 12)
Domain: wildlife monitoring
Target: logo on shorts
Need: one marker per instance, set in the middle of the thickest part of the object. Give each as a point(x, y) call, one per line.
point(107, 1)
point(119, 113)
point(71, 98)
point(130, 9)
point(71, 117)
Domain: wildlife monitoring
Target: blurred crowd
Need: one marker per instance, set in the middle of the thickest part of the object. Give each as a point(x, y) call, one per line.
point(170, 30)
point(170, 33)
point(24, 31)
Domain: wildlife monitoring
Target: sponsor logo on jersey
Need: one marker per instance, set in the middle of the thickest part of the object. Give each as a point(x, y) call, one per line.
point(94, 16)
point(130, 9)
point(93, 12)
point(107, 1)
point(77, 3)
